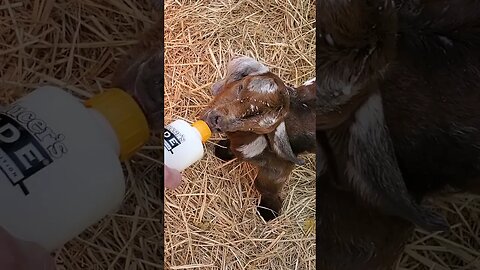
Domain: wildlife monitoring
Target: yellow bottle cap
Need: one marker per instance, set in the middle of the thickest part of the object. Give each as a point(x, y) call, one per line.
point(204, 130)
point(126, 118)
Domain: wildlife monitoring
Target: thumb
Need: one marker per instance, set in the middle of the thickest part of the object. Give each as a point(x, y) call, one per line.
point(16, 254)
point(173, 178)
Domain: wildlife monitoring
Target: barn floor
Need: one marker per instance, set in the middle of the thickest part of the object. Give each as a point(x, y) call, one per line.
point(211, 220)
point(76, 44)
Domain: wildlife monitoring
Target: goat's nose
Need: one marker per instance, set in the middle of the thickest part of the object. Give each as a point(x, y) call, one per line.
point(212, 118)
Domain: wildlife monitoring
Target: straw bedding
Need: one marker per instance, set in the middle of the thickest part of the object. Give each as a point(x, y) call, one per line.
point(210, 221)
point(76, 44)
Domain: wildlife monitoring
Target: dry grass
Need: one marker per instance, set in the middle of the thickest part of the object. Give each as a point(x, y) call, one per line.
point(76, 44)
point(211, 220)
point(458, 249)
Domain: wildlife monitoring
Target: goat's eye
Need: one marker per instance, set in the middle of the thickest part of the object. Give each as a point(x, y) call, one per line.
point(239, 88)
point(252, 113)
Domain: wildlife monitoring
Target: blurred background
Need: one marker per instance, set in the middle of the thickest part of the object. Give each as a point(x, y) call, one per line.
point(76, 44)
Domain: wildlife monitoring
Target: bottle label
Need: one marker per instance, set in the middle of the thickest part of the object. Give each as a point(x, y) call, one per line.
point(27, 145)
point(171, 139)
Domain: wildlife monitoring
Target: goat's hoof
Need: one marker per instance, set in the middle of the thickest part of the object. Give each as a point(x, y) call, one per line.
point(222, 150)
point(267, 213)
point(433, 222)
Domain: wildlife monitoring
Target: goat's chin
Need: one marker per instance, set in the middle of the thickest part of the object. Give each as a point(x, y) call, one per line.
point(229, 126)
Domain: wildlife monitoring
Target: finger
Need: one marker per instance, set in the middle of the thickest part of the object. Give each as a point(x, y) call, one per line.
point(173, 178)
point(18, 254)
point(36, 256)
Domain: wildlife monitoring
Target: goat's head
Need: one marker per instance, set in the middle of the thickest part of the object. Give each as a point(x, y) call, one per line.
point(140, 73)
point(250, 98)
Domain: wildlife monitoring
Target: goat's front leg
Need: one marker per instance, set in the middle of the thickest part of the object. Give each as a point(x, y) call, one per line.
point(272, 176)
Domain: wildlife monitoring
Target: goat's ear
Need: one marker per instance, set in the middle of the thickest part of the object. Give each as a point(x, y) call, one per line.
point(374, 173)
point(141, 75)
point(216, 87)
point(238, 68)
point(263, 85)
point(280, 144)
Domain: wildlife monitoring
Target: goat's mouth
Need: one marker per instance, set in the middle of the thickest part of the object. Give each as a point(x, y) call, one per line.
point(216, 130)
point(222, 126)
point(219, 123)
point(213, 120)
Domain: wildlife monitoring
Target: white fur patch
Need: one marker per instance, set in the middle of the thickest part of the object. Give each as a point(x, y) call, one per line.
point(263, 86)
point(347, 89)
point(248, 64)
point(267, 121)
point(309, 82)
point(329, 40)
point(280, 132)
point(254, 148)
point(367, 127)
point(341, 89)
point(367, 116)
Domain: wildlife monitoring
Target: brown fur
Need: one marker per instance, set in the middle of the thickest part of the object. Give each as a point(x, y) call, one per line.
point(231, 112)
point(421, 59)
point(140, 73)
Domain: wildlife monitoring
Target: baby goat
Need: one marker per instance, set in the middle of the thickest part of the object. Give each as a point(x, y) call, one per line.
point(267, 124)
point(397, 120)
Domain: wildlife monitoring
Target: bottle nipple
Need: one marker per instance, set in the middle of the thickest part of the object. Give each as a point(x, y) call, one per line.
point(204, 130)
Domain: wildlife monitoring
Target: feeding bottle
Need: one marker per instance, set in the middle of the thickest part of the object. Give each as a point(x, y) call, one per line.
point(60, 168)
point(183, 143)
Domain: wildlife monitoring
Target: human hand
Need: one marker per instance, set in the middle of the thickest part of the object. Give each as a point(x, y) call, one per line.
point(172, 177)
point(16, 254)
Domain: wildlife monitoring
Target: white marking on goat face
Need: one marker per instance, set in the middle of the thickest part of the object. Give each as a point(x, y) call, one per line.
point(369, 115)
point(347, 89)
point(267, 121)
point(254, 148)
point(263, 85)
point(329, 40)
point(341, 89)
point(309, 82)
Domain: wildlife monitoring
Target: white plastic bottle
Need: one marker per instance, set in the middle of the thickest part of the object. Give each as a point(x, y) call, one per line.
point(183, 143)
point(60, 169)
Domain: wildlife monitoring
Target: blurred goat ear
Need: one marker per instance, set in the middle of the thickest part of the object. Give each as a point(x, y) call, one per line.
point(141, 75)
point(237, 69)
point(374, 173)
point(216, 87)
point(149, 89)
